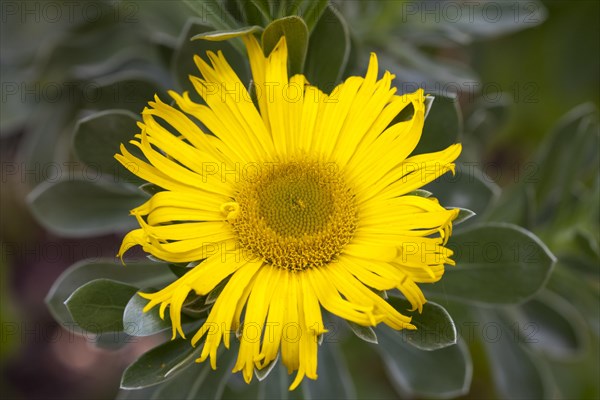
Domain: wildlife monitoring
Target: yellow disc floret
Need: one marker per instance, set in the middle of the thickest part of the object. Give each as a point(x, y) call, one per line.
point(295, 215)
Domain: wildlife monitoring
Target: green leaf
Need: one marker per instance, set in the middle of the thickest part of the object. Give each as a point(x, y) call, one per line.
point(213, 12)
point(443, 373)
point(135, 274)
point(217, 36)
point(328, 51)
point(443, 125)
point(365, 333)
point(514, 371)
point(129, 90)
point(495, 264)
point(550, 323)
point(139, 323)
point(313, 11)
point(264, 8)
point(183, 64)
point(81, 208)
point(561, 157)
point(98, 305)
point(464, 214)
point(159, 364)
point(334, 377)
point(97, 139)
point(200, 381)
point(435, 327)
point(296, 35)
point(469, 188)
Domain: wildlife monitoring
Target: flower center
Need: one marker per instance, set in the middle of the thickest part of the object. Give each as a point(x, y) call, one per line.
point(295, 215)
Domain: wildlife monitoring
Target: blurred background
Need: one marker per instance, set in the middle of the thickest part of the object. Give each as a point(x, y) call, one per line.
point(515, 76)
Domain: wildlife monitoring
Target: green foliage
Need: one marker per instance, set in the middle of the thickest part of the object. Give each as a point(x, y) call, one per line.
point(97, 139)
point(159, 364)
point(296, 34)
point(496, 264)
point(329, 41)
point(443, 125)
point(139, 323)
point(98, 305)
point(435, 328)
point(80, 208)
point(438, 373)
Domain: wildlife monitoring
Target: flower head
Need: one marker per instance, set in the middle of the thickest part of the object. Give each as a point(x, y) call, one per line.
point(300, 204)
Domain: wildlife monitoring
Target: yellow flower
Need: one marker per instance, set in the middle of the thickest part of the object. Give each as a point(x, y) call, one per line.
point(303, 204)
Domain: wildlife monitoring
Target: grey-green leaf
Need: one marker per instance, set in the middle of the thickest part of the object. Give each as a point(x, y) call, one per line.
point(553, 325)
point(159, 364)
point(98, 305)
point(495, 264)
point(135, 274)
point(469, 188)
point(464, 214)
point(442, 374)
point(514, 371)
point(328, 50)
point(214, 13)
point(296, 35)
point(365, 333)
point(227, 34)
point(98, 137)
point(435, 327)
point(82, 208)
point(139, 323)
point(443, 125)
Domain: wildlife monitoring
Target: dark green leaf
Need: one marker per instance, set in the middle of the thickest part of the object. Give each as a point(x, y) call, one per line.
point(550, 323)
point(98, 305)
point(469, 188)
point(435, 328)
point(328, 51)
point(296, 35)
point(200, 381)
point(81, 208)
point(495, 264)
point(463, 215)
point(135, 274)
point(129, 90)
point(560, 159)
point(42, 158)
point(159, 364)
point(264, 8)
point(213, 12)
point(514, 371)
point(312, 10)
point(443, 373)
point(140, 323)
point(98, 137)
point(443, 125)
